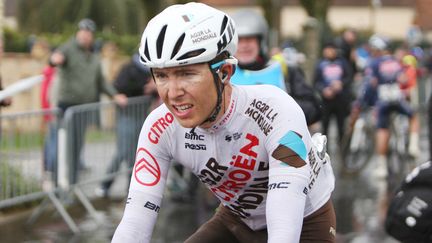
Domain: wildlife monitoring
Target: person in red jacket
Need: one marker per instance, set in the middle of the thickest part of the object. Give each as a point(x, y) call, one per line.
point(46, 85)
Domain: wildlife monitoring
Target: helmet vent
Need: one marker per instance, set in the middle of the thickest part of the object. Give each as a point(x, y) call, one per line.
point(224, 24)
point(178, 45)
point(191, 54)
point(146, 50)
point(160, 41)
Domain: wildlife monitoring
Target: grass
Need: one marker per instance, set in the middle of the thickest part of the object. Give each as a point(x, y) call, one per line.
point(35, 140)
point(13, 183)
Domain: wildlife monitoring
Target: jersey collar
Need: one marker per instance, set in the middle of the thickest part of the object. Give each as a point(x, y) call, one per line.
point(228, 115)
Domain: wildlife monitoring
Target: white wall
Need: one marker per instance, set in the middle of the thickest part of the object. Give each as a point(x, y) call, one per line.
point(389, 21)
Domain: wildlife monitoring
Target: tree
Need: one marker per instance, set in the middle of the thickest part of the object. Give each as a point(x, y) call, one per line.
point(117, 16)
point(272, 10)
point(318, 9)
point(151, 8)
point(316, 32)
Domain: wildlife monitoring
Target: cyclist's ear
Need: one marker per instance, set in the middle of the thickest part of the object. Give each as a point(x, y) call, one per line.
point(227, 72)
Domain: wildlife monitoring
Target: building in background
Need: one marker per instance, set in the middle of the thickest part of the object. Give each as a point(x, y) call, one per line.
point(392, 18)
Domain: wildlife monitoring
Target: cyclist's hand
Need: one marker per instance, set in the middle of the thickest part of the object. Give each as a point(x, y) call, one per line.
point(373, 82)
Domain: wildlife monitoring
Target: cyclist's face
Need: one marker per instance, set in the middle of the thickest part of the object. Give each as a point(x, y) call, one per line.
point(188, 92)
point(248, 49)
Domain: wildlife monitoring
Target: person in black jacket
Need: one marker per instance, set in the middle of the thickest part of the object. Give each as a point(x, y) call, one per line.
point(133, 81)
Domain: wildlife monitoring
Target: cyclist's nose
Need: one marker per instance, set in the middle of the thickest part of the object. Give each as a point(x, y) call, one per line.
point(176, 89)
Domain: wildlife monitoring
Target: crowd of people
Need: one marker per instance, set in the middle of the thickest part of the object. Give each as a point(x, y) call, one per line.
point(242, 119)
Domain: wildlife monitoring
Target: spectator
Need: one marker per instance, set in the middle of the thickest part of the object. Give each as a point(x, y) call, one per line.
point(49, 73)
point(80, 81)
point(429, 121)
point(428, 67)
point(346, 45)
point(50, 146)
point(256, 67)
point(331, 79)
point(131, 81)
point(6, 101)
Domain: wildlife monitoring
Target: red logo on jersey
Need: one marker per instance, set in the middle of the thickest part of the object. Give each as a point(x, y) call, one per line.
point(146, 171)
point(240, 174)
point(159, 127)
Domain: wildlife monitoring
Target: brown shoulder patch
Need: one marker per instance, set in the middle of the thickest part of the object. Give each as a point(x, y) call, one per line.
point(288, 156)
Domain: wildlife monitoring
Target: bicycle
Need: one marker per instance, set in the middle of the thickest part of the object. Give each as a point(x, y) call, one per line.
point(399, 161)
point(358, 144)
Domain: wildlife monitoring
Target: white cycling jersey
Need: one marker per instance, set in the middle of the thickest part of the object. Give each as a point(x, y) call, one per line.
point(258, 159)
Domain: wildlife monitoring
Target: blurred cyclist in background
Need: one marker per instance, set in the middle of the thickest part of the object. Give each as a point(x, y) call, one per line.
point(386, 76)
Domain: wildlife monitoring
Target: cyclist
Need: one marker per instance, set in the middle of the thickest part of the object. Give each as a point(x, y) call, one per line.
point(385, 75)
point(255, 66)
point(249, 144)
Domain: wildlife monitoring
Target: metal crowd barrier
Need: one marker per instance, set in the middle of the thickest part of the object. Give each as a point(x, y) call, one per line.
point(82, 143)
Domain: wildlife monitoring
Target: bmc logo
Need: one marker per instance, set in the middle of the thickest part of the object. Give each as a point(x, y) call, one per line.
point(280, 185)
point(194, 136)
point(152, 206)
point(195, 146)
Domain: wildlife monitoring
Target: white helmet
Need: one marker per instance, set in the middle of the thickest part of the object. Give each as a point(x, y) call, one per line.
point(251, 23)
point(378, 42)
point(187, 34)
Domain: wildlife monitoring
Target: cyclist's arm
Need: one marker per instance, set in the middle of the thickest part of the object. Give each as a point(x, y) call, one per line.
point(147, 183)
point(286, 203)
point(288, 175)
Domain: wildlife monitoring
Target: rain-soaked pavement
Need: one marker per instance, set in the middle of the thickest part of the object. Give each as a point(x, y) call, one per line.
point(354, 199)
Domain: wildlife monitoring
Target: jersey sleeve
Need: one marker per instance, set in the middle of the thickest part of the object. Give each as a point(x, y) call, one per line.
point(289, 171)
point(148, 179)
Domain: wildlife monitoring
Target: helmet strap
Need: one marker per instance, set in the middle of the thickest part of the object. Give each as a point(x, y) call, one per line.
point(219, 90)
